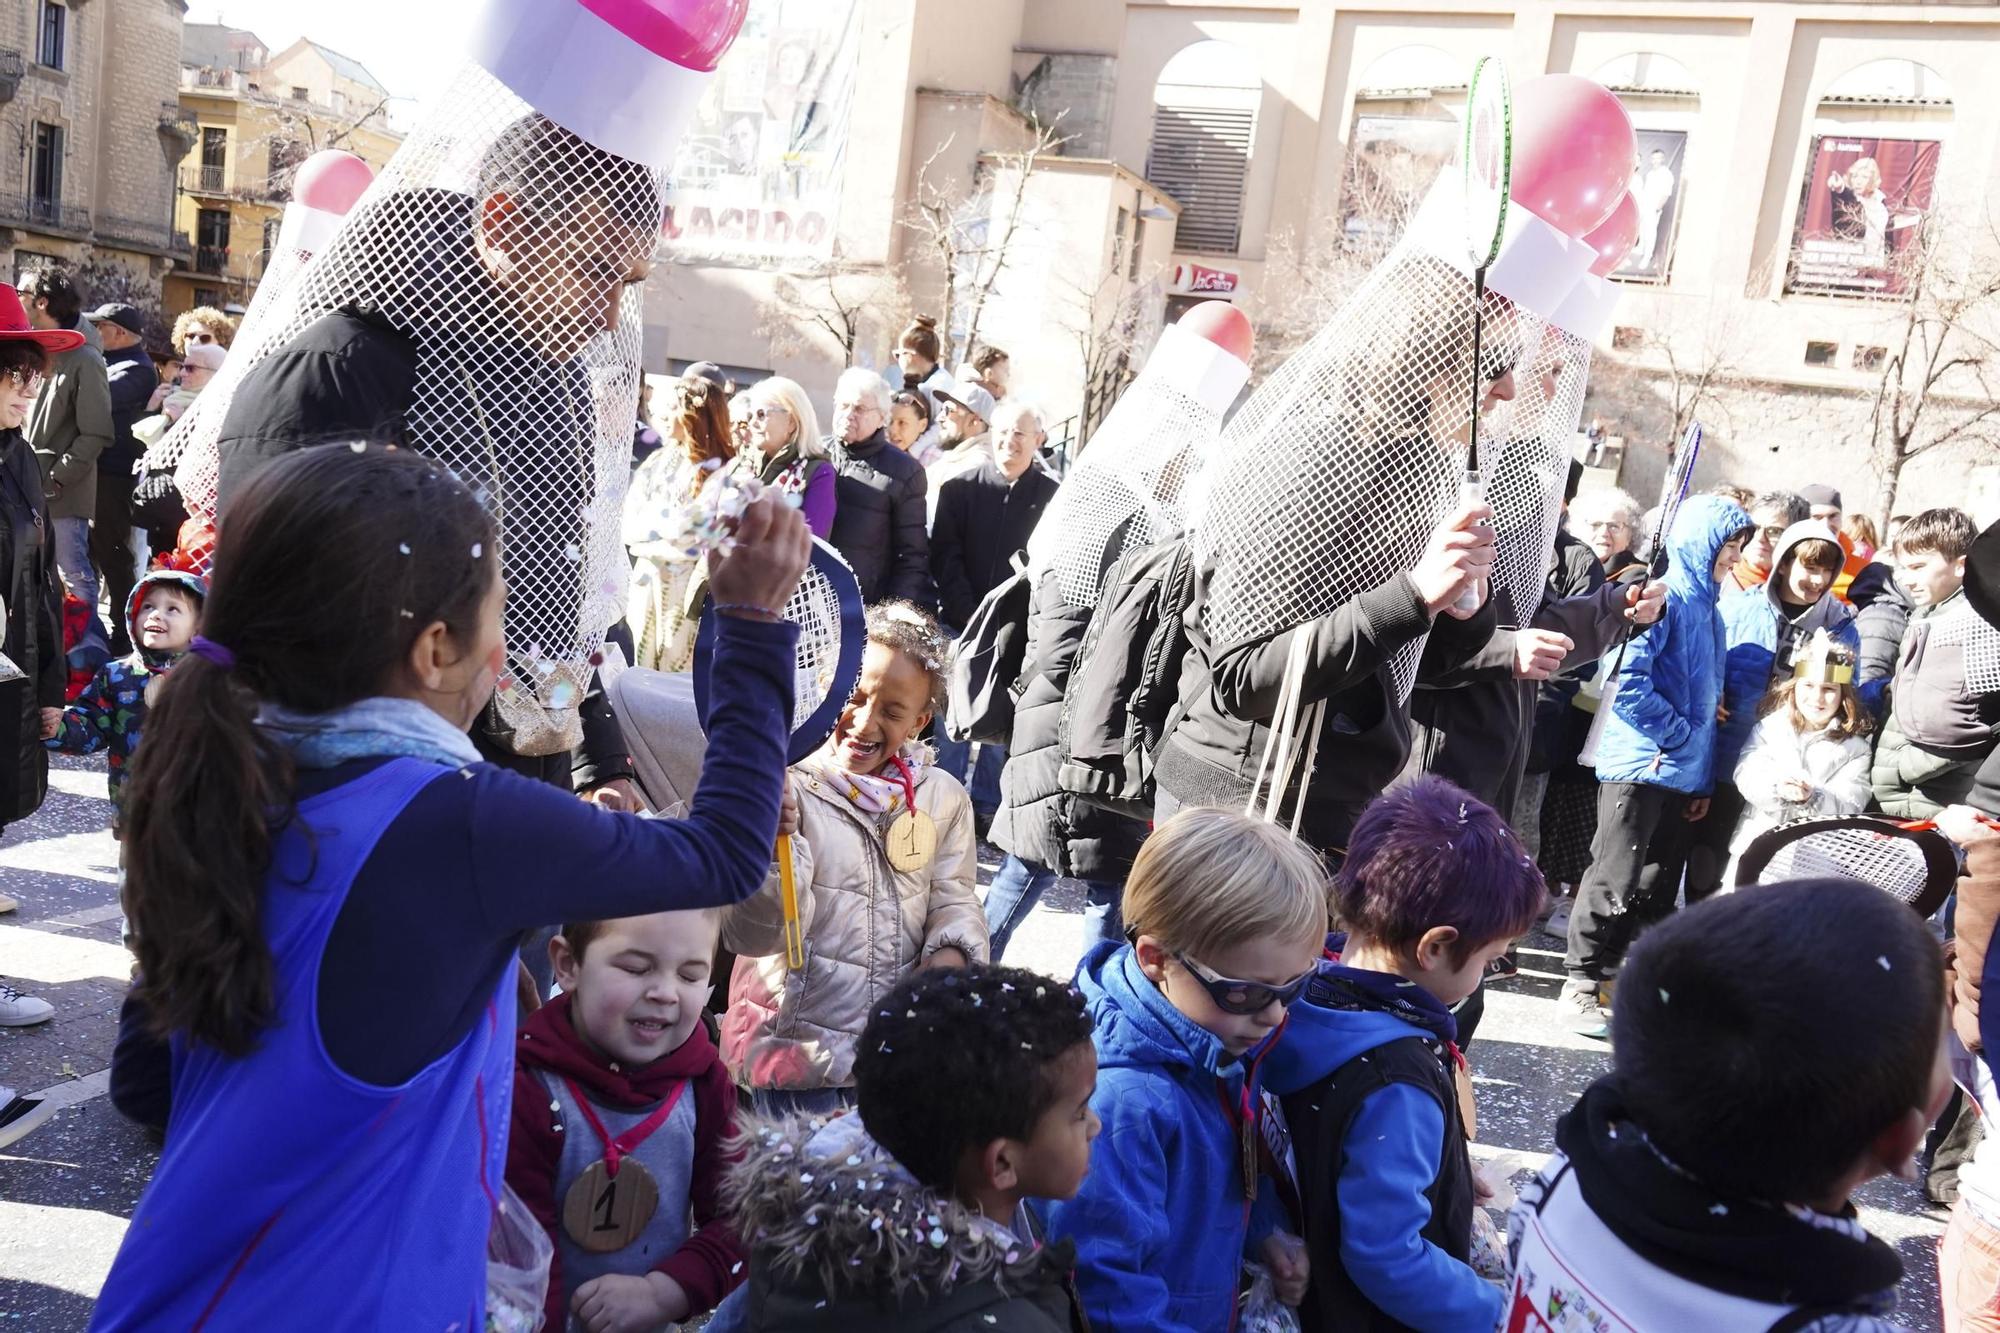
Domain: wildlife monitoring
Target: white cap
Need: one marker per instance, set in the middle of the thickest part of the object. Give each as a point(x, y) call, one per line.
point(1209, 374)
point(1587, 310)
point(1538, 264)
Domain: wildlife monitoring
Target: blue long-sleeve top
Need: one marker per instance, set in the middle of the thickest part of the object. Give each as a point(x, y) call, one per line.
point(474, 862)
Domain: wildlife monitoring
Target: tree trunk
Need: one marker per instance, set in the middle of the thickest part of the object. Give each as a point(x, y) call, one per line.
point(1892, 483)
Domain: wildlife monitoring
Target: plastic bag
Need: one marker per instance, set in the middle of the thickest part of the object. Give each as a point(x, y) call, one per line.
point(1262, 1311)
point(518, 1254)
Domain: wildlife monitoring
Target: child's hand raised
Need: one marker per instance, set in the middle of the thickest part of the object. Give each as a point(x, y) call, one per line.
point(772, 545)
point(1285, 1255)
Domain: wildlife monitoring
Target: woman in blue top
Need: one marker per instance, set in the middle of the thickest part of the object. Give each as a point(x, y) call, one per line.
point(327, 888)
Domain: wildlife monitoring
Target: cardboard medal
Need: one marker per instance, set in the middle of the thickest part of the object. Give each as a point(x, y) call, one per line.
point(602, 1212)
point(911, 841)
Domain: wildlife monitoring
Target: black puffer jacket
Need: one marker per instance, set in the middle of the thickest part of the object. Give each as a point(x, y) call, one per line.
point(350, 375)
point(33, 632)
point(879, 520)
point(1230, 693)
point(982, 521)
point(1039, 821)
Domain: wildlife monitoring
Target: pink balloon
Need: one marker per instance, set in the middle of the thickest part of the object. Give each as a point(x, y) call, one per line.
point(694, 34)
point(331, 181)
point(1614, 239)
point(1222, 324)
point(1573, 151)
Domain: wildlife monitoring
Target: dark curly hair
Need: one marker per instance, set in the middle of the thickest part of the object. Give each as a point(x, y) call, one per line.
point(952, 1060)
point(915, 633)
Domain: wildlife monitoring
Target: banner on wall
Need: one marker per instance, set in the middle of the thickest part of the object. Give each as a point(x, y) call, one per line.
point(1390, 166)
point(1657, 182)
point(1863, 203)
point(757, 178)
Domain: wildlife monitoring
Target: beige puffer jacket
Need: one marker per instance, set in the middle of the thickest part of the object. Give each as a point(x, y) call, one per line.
point(867, 926)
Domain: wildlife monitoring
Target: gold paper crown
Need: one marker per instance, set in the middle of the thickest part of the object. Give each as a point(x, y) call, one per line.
point(1824, 662)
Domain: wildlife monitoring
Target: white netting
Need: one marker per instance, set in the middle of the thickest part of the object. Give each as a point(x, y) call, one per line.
point(1965, 631)
point(1892, 863)
point(1333, 476)
point(1530, 469)
point(1128, 487)
point(508, 251)
point(814, 607)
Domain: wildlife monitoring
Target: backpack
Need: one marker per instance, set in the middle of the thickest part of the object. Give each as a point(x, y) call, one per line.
point(986, 665)
point(1125, 687)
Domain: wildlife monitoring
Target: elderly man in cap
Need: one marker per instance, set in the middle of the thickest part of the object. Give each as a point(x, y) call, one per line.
point(122, 330)
point(964, 433)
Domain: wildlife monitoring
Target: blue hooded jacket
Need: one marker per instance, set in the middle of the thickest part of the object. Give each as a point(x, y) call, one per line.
point(1662, 725)
point(1383, 1180)
point(1161, 1225)
point(1752, 620)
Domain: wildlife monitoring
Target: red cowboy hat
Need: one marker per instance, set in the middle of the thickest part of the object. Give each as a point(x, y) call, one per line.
point(14, 324)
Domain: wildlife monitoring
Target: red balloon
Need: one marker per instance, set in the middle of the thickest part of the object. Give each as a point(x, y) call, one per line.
point(1616, 237)
point(331, 180)
point(1573, 151)
point(1222, 324)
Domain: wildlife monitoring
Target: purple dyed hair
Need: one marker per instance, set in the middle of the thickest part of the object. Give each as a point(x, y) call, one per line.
point(1427, 854)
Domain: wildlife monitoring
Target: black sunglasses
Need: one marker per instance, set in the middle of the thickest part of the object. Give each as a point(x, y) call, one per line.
point(1245, 997)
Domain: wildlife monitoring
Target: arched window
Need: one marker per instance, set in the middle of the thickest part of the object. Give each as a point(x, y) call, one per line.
point(1204, 118)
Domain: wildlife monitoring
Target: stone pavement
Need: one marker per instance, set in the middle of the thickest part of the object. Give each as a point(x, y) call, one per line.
point(67, 1190)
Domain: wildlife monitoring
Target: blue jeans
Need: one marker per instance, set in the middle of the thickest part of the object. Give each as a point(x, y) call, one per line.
point(73, 559)
point(1019, 886)
point(954, 757)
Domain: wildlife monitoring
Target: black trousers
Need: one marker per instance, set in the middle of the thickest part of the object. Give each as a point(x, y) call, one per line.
point(111, 551)
point(1636, 860)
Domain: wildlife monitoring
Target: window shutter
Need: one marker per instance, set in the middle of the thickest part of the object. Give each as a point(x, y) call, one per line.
point(1200, 155)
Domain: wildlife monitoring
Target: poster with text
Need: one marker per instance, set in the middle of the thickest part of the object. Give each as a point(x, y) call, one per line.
point(1657, 181)
point(757, 178)
point(1390, 166)
point(1862, 210)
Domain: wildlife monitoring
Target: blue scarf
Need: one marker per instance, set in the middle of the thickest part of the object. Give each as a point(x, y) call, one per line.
point(1337, 986)
point(367, 729)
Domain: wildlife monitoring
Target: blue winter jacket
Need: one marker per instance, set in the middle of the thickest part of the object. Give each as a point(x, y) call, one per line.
point(1383, 1176)
point(1662, 725)
point(1752, 620)
point(1161, 1225)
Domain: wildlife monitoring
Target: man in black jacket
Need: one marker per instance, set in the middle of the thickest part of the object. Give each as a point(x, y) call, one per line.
point(985, 516)
point(879, 518)
point(121, 328)
point(472, 327)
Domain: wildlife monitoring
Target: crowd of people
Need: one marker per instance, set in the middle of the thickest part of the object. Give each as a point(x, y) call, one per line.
point(429, 1042)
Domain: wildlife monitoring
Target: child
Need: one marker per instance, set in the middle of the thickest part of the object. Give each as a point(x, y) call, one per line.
point(1809, 756)
point(975, 1092)
point(1939, 729)
point(622, 1055)
point(1226, 916)
point(1774, 1051)
point(1434, 887)
point(1656, 758)
point(341, 1047)
point(884, 866)
point(164, 615)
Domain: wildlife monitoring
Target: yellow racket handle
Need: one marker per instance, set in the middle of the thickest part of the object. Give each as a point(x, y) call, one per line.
point(788, 890)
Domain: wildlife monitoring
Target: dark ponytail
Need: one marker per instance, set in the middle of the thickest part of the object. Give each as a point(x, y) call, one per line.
point(331, 561)
point(921, 337)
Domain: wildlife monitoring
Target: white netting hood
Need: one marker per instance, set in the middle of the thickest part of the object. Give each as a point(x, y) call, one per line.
point(1530, 469)
point(1131, 484)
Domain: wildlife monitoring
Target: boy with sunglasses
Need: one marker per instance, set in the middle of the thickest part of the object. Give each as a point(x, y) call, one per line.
point(1225, 916)
point(1435, 886)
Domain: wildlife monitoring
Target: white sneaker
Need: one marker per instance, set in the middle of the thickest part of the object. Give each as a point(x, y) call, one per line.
point(22, 1011)
point(20, 1115)
point(7, 904)
point(1558, 922)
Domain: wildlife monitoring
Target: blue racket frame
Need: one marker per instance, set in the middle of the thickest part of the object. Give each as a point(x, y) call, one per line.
point(809, 735)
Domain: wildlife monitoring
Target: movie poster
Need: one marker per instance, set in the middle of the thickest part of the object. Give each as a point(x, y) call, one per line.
point(1657, 178)
point(757, 177)
point(1864, 202)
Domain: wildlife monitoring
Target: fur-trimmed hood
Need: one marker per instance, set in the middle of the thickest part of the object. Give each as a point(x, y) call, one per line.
point(834, 1224)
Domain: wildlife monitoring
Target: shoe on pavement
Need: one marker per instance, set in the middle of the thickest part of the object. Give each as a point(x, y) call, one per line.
point(22, 1011)
point(7, 905)
point(1558, 923)
point(20, 1115)
point(1586, 1017)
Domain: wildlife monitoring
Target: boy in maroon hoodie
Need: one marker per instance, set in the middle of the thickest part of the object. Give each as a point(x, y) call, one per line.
point(621, 1111)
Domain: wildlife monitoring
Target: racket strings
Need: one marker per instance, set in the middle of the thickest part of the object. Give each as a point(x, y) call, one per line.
point(1894, 864)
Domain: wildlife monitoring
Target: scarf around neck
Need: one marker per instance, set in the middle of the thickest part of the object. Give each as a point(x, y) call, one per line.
point(1782, 1253)
point(880, 793)
point(1338, 986)
point(367, 729)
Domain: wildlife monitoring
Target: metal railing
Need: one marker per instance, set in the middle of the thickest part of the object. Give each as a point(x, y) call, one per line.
point(211, 259)
point(146, 234)
point(204, 179)
point(43, 214)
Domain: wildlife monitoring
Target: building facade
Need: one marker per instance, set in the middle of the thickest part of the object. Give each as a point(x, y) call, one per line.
point(91, 131)
point(1265, 144)
point(256, 116)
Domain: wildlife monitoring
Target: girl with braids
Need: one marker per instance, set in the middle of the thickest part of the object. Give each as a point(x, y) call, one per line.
point(328, 886)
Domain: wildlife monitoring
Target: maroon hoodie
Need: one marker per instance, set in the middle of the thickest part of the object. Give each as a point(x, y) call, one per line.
point(710, 1264)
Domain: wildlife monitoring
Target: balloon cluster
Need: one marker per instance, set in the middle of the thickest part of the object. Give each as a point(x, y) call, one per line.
point(1573, 155)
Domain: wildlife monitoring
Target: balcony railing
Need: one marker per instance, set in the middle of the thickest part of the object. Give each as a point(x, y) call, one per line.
point(26, 210)
point(204, 179)
point(211, 259)
point(143, 234)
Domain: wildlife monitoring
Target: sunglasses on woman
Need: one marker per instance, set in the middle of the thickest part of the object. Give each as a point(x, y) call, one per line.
point(201, 338)
point(28, 381)
point(1244, 998)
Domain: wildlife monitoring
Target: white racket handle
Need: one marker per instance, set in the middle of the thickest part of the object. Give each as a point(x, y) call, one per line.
point(1471, 490)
